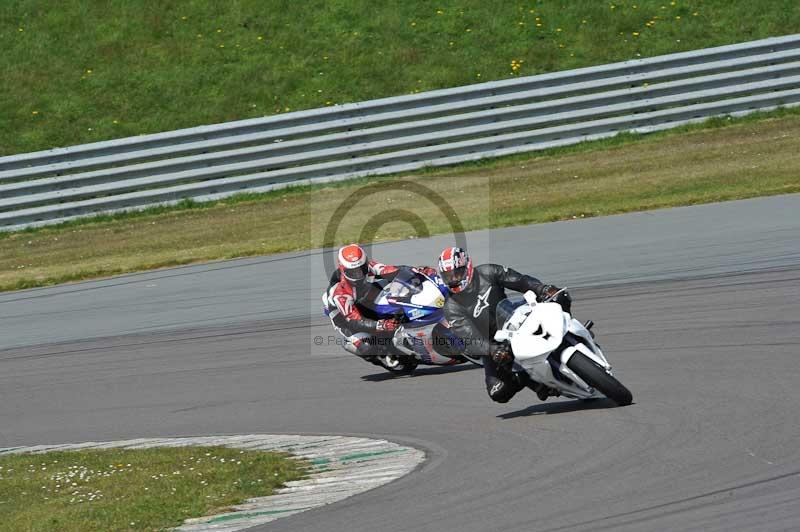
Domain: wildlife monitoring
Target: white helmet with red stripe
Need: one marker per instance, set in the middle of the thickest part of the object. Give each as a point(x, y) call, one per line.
point(353, 263)
point(455, 269)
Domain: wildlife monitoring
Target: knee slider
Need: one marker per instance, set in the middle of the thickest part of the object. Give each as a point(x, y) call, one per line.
point(498, 391)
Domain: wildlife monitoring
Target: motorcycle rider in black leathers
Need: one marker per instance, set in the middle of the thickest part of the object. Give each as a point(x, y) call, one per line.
point(471, 312)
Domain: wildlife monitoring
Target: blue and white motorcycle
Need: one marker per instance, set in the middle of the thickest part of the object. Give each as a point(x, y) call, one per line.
point(416, 300)
point(424, 336)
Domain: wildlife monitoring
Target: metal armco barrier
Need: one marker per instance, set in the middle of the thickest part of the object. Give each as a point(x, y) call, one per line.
point(398, 134)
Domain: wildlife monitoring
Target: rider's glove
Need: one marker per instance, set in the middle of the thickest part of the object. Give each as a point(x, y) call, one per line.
point(427, 270)
point(563, 299)
point(501, 353)
point(387, 325)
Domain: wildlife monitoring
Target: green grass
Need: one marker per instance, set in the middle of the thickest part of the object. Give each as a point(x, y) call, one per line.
point(115, 489)
point(77, 71)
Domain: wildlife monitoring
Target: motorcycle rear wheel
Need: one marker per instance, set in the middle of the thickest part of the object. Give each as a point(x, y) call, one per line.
point(397, 365)
point(598, 378)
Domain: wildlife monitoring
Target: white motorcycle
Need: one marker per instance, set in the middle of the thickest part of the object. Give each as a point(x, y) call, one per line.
point(556, 350)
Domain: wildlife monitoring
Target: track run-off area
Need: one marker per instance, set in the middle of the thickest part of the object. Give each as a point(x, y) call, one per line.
point(698, 309)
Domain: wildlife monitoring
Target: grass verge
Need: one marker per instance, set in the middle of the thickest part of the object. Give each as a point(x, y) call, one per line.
point(744, 159)
point(77, 71)
point(149, 489)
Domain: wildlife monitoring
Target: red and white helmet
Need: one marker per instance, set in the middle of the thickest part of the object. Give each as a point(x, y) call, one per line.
point(455, 269)
point(353, 263)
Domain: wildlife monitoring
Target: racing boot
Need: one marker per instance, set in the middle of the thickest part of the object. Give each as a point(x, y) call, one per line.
point(542, 391)
point(369, 353)
point(373, 359)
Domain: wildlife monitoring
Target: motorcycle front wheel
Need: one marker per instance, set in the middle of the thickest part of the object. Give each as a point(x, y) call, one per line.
point(598, 378)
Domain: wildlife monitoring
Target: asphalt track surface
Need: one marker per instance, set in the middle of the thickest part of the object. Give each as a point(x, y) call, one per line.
point(698, 308)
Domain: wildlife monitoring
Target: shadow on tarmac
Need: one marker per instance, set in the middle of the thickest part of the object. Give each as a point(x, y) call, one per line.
point(419, 372)
point(561, 407)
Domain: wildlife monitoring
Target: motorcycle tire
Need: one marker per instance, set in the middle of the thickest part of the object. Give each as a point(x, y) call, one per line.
point(598, 378)
point(397, 365)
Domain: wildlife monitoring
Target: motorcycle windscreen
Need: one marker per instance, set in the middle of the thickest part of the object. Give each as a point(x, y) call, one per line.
point(506, 308)
point(403, 286)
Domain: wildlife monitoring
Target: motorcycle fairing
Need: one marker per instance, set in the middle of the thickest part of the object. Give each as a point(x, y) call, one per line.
point(419, 301)
point(535, 331)
point(419, 341)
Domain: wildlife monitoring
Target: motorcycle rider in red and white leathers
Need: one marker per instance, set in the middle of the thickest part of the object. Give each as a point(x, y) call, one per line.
point(471, 312)
point(365, 334)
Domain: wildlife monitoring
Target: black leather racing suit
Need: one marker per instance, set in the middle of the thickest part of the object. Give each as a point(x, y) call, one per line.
point(472, 317)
